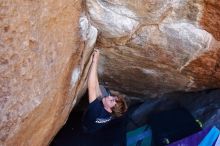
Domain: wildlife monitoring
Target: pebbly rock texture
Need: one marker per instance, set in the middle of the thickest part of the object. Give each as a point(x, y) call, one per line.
point(211, 16)
point(153, 47)
point(41, 68)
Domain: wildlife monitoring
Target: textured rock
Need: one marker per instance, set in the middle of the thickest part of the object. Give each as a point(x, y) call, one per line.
point(165, 52)
point(39, 47)
point(210, 19)
point(88, 36)
point(112, 21)
point(205, 68)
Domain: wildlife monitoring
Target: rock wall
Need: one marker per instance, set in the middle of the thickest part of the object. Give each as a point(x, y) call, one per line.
point(154, 47)
point(40, 46)
point(211, 16)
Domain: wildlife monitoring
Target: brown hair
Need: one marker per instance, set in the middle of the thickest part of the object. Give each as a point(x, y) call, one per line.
point(120, 107)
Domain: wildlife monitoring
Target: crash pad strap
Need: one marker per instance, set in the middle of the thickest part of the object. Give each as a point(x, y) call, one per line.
point(211, 137)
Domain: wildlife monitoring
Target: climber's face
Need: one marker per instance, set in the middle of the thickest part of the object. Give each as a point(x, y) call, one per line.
point(109, 101)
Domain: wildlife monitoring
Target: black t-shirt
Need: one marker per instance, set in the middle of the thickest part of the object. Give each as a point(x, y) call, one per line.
point(95, 117)
point(100, 128)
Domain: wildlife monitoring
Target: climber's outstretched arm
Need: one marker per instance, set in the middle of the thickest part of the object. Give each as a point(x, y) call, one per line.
point(98, 91)
point(93, 84)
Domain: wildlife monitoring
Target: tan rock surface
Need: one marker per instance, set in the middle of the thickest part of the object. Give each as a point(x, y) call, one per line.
point(163, 53)
point(211, 18)
point(39, 47)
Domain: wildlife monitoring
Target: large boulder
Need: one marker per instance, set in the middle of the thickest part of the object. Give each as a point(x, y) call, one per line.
point(153, 47)
point(42, 71)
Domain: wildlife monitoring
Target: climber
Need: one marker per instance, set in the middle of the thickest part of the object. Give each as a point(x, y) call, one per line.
point(103, 106)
